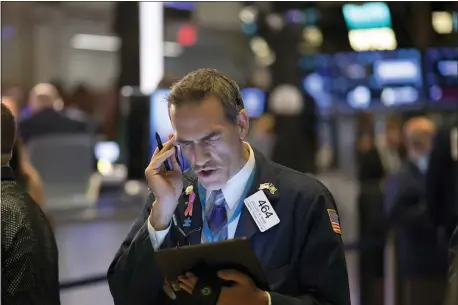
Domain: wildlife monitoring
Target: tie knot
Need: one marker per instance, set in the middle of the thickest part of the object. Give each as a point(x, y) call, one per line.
point(218, 197)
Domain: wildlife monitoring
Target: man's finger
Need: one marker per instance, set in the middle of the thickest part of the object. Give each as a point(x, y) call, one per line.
point(159, 159)
point(233, 275)
point(186, 288)
point(173, 160)
point(169, 144)
point(188, 282)
point(169, 291)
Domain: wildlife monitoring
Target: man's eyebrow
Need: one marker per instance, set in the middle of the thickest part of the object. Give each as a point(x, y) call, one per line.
point(207, 137)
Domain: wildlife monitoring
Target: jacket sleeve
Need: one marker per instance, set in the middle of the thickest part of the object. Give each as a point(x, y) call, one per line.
point(133, 276)
point(18, 281)
point(323, 271)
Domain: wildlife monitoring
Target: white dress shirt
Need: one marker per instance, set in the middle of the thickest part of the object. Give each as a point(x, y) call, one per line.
point(232, 191)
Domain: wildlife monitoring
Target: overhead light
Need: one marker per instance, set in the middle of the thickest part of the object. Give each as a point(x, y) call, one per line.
point(249, 29)
point(95, 42)
point(172, 49)
point(442, 22)
point(259, 45)
point(151, 18)
point(372, 39)
point(267, 60)
point(275, 21)
point(295, 16)
point(313, 36)
point(248, 14)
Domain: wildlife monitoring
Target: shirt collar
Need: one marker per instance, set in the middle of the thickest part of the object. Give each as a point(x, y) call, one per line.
point(234, 188)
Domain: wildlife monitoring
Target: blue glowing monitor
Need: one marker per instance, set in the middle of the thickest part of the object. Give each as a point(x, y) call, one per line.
point(254, 101)
point(181, 5)
point(367, 16)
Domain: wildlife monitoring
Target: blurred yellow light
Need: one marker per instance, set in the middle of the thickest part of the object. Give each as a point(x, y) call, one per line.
point(248, 14)
point(442, 22)
point(313, 36)
point(372, 39)
point(275, 21)
point(104, 167)
point(265, 61)
point(260, 47)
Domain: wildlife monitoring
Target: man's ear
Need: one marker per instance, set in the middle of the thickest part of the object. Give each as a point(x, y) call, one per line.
point(243, 124)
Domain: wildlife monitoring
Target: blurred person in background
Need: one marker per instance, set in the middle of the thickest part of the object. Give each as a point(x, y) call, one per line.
point(442, 177)
point(378, 159)
point(46, 116)
point(81, 107)
point(262, 135)
point(442, 196)
point(16, 93)
point(29, 251)
point(371, 221)
point(24, 171)
point(392, 151)
point(421, 250)
point(371, 229)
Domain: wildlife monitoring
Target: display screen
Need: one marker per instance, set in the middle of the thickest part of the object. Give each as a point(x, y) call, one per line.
point(107, 151)
point(367, 15)
point(254, 101)
point(185, 5)
point(441, 76)
point(377, 80)
point(317, 81)
point(160, 122)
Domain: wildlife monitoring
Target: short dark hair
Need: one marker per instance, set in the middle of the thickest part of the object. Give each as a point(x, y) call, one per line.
point(203, 83)
point(8, 130)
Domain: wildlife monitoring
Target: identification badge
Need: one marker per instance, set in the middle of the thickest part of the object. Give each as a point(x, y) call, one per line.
point(262, 211)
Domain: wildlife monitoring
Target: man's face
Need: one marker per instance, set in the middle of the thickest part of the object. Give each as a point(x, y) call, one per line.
point(209, 141)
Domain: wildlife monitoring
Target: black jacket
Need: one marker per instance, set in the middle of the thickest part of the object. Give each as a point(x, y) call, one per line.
point(49, 122)
point(442, 181)
point(302, 257)
point(29, 252)
point(421, 248)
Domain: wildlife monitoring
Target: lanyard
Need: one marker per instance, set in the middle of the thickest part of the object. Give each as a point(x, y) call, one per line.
point(238, 210)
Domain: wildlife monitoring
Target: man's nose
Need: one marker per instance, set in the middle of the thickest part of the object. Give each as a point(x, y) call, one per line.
point(201, 155)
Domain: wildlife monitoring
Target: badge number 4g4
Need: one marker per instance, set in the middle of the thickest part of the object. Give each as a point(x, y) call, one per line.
point(262, 211)
point(264, 208)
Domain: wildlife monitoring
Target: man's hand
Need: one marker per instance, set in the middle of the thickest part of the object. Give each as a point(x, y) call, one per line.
point(168, 290)
point(243, 292)
point(166, 185)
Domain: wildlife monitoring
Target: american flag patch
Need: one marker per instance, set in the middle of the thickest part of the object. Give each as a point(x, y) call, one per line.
point(334, 221)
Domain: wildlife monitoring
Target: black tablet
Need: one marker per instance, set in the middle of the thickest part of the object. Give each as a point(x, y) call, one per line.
point(230, 254)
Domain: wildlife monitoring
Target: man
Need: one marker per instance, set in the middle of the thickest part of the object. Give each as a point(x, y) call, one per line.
point(442, 179)
point(422, 251)
point(442, 194)
point(46, 117)
point(29, 252)
point(302, 256)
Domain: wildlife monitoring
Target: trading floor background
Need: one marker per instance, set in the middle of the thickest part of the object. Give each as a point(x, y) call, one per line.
point(328, 86)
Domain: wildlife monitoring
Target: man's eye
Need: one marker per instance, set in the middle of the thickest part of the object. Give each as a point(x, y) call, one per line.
point(212, 140)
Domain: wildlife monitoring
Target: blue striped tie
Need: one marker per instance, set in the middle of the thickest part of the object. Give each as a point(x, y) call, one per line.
point(216, 217)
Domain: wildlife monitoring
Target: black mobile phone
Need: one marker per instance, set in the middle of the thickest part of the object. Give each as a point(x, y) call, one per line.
point(160, 147)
